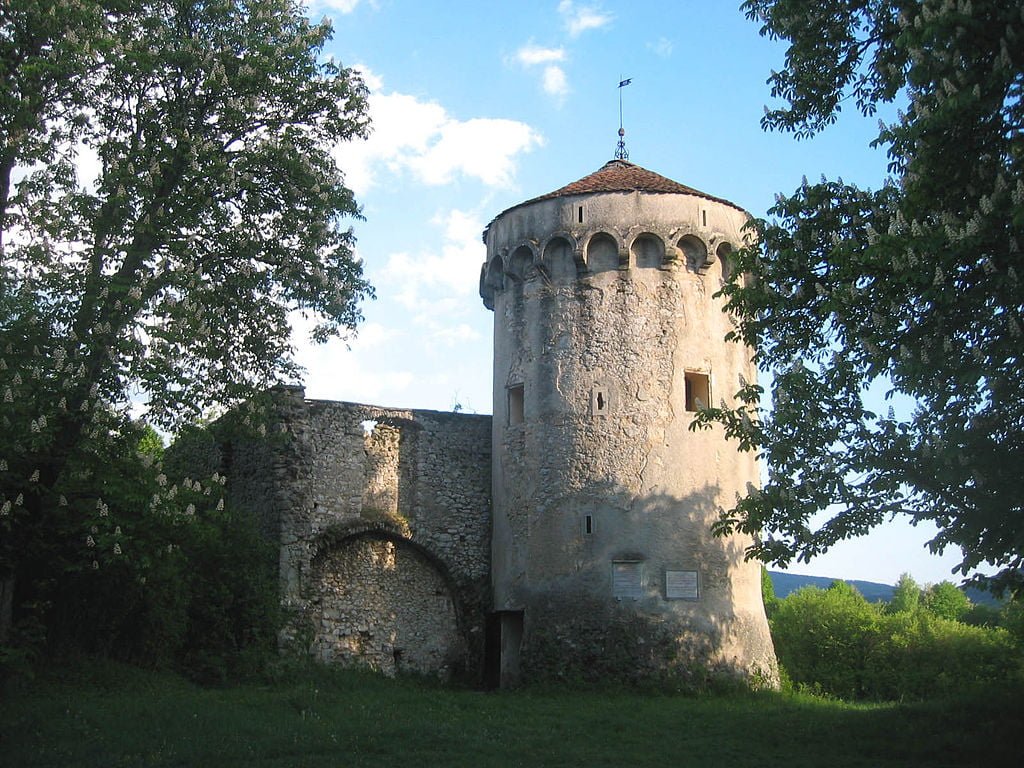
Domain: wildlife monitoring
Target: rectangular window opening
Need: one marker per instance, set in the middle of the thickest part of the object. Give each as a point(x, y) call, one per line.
point(704, 217)
point(588, 524)
point(515, 405)
point(580, 214)
point(698, 390)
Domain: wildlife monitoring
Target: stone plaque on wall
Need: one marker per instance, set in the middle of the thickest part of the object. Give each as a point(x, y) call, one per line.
point(627, 581)
point(681, 585)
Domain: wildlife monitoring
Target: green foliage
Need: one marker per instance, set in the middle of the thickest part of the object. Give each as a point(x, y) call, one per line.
point(822, 638)
point(216, 211)
point(946, 601)
point(912, 288)
point(157, 572)
point(771, 602)
point(1013, 620)
point(921, 656)
point(906, 597)
point(151, 445)
point(233, 599)
point(834, 642)
point(981, 615)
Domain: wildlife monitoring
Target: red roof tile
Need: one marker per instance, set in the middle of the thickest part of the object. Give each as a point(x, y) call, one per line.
point(620, 176)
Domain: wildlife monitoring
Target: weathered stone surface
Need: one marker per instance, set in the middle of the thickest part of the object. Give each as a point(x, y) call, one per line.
point(606, 329)
point(383, 516)
point(607, 339)
point(382, 603)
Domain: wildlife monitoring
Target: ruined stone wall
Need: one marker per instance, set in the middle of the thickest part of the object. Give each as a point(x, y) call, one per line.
point(384, 521)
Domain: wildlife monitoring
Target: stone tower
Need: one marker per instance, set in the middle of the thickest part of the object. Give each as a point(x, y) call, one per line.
point(607, 340)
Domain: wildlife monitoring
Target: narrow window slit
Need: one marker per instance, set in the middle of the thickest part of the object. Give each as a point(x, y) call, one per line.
point(515, 405)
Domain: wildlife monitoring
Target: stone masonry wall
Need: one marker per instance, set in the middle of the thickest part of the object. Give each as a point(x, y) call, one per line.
point(384, 519)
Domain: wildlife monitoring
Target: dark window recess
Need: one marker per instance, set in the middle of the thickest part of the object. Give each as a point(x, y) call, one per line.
point(580, 214)
point(698, 390)
point(515, 405)
point(599, 401)
point(588, 524)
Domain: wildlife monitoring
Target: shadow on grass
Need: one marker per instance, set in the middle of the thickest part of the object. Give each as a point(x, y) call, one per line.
point(101, 714)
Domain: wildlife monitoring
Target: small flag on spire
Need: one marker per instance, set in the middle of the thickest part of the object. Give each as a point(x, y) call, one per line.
point(620, 149)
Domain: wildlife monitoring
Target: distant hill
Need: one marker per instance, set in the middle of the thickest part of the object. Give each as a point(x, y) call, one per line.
point(785, 583)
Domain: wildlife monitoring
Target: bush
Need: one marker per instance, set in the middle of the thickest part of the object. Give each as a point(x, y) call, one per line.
point(150, 569)
point(919, 655)
point(946, 601)
point(834, 642)
point(232, 615)
point(822, 638)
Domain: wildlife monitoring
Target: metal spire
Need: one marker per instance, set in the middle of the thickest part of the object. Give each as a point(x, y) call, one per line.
point(620, 149)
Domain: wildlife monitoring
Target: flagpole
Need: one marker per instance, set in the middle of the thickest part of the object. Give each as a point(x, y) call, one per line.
point(620, 149)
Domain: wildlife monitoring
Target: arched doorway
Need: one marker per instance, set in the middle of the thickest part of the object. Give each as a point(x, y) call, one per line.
point(379, 601)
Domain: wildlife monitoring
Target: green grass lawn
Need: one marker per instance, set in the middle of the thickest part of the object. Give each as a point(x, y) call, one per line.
point(100, 714)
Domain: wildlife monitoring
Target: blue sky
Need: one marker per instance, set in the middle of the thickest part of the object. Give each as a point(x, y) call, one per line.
point(477, 106)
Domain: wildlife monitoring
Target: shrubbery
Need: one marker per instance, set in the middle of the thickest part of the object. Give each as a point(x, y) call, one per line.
point(833, 641)
point(149, 566)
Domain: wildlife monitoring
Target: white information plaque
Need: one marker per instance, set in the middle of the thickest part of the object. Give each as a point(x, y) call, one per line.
point(627, 580)
point(681, 585)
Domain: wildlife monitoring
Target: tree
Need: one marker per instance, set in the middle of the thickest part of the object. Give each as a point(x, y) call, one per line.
point(914, 287)
point(946, 601)
point(906, 598)
point(823, 637)
point(216, 210)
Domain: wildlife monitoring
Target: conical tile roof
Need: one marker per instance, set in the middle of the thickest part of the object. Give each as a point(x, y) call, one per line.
point(620, 176)
point(623, 176)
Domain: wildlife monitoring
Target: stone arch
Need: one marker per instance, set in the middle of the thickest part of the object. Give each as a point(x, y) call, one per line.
point(725, 262)
point(559, 258)
point(695, 253)
point(647, 250)
point(520, 263)
point(602, 252)
point(379, 599)
point(494, 276)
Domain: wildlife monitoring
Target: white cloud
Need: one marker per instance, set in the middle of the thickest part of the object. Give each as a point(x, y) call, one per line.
point(420, 137)
point(553, 78)
point(482, 148)
point(417, 355)
point(462, 333)
point(351, 369)
point(531, 54)
point(341, 6)
point(555, 82)
point(661, 47)
point(579, 19)
point(448, 273)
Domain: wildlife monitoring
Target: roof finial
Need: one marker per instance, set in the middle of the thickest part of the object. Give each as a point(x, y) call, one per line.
point(620, 149)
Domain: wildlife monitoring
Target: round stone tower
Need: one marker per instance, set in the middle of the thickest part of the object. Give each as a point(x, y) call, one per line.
point(607, 341)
